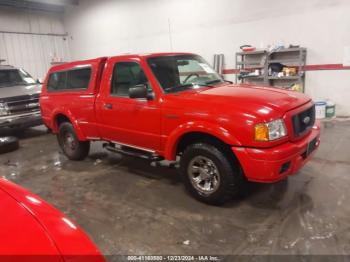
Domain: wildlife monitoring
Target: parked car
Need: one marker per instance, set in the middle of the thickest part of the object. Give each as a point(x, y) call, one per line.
point(164, 106)
point(32, 230)
point(19, 98)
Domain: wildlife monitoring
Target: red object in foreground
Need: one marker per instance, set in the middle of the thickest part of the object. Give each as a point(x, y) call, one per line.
point(175, 104)
point(32, 230)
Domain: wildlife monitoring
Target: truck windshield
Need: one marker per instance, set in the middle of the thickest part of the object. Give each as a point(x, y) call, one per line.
point(13, 77)
point(182, 72)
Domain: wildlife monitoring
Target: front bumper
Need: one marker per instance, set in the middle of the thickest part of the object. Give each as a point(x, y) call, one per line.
point(22, 120)
point(274, 164)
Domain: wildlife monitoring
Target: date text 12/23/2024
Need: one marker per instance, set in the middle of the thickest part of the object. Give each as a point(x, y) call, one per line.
point(173, 258)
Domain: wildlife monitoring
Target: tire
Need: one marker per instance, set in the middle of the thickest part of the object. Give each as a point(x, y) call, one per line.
point(71, 146)
point(8, 144)
point(229, 177)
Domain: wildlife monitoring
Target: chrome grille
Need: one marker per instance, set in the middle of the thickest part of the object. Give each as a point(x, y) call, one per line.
point(23, 104)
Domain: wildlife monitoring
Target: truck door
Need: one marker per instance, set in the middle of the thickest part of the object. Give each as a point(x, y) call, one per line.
point(134, 122)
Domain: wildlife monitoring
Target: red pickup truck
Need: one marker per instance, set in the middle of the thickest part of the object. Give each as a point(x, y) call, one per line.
point(174, 106)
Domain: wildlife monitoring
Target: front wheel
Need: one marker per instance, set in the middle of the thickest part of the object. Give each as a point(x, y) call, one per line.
point(210, 174)
point(70, 144)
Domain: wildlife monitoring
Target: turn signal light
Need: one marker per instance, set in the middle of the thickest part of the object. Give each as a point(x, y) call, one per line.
point(261, 132)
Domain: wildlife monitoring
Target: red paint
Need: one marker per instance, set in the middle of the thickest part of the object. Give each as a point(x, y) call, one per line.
point(228, 112)
point(269, 161)
point(306, 68)
point(30, 226)
point(326, 67)
point(230, 71)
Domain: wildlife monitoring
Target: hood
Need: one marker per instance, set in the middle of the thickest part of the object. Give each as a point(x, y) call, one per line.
point(19, 90)
point(275, 98)
point(263, 102)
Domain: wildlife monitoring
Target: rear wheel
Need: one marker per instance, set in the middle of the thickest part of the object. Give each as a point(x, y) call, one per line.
point(70, 144)
point(210, 174)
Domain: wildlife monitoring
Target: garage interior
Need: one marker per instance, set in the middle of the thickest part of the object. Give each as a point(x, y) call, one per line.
point(131, 206)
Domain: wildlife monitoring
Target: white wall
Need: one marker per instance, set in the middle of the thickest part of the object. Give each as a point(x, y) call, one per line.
point(206, 27)
point(32, 52)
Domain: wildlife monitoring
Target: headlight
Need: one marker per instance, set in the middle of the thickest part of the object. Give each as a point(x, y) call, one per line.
point(4, 110)
point(270, 131)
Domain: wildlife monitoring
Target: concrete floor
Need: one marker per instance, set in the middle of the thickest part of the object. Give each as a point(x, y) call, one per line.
point(130, 207)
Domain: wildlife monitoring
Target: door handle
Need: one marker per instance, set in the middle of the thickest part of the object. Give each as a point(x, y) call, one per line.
point(108, 106)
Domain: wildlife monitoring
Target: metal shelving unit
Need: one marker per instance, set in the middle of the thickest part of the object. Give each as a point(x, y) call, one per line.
point(262, 59)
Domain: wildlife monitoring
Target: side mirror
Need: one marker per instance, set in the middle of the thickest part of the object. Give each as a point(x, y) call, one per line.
point(139, 91)
point(39, 81)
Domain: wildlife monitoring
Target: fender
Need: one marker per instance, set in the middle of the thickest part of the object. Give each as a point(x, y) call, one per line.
point(72, 119)
point(197, 126)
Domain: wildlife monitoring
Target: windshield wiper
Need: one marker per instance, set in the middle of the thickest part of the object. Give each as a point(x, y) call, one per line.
point(218, 81)
point(213, 81)
point(184, 86)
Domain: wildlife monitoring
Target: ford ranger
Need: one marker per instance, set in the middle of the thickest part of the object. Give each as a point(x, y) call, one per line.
point(174, 106)
point(19, 98)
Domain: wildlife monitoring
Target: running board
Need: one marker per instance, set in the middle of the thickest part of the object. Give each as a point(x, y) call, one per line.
point(130, 151)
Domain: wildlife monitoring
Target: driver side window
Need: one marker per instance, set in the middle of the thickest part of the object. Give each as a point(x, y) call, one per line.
point(127, 75)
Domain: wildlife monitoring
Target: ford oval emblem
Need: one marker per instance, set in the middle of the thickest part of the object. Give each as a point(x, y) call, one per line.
point(306, 120)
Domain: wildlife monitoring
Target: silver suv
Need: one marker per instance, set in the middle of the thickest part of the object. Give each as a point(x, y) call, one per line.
point(19, 98)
